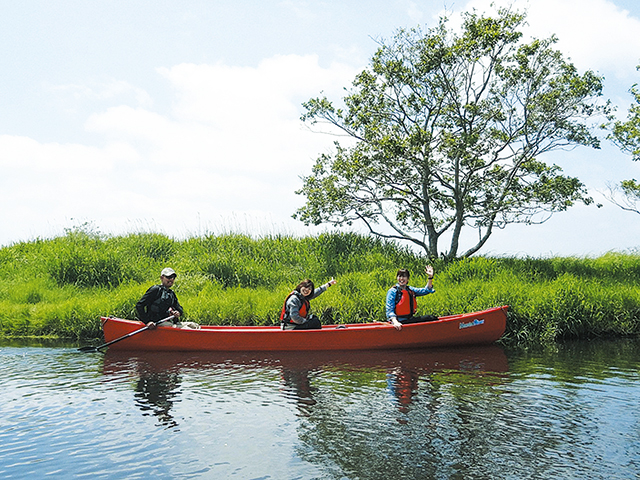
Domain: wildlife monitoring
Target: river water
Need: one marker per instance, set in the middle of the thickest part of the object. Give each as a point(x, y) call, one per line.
point(469, 413)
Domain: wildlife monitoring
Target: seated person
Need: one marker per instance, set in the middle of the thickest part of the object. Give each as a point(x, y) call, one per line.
point(401, 300)
point(159, 301)
point(295, 311)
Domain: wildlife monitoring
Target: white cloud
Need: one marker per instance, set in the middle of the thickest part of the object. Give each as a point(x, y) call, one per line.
point(232, 143)
point(131, 123)
point(221, 94)
point(25, 154)
point(74, 95)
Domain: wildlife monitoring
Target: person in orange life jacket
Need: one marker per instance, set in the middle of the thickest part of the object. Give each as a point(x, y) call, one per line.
point(159, 301)
point(295, 311)
point(401, 300)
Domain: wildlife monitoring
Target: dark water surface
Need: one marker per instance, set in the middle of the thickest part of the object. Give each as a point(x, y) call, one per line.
point(443, 414)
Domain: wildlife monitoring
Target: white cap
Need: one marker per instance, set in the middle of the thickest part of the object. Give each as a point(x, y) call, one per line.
point(168, 272)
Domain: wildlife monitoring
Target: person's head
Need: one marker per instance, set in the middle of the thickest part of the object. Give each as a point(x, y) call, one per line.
point(305, 287)
point(168, 276)
point(403, 276)
point(403, 272)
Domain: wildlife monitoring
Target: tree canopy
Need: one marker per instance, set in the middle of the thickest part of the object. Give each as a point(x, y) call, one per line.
point(444, 133)
point(626, 135)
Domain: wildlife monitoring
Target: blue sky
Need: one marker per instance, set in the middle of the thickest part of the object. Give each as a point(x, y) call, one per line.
point(183, 116)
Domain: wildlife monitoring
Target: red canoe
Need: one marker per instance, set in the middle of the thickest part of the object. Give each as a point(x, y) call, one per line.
point(478, 328)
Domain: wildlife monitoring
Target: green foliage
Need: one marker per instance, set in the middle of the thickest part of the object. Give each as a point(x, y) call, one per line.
point(238, 280)
point(87, 260)
point(477, 269)
point(626, 135)
point(446, 132)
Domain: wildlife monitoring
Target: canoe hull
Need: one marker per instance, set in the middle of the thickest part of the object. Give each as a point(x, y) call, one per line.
point(478, 328)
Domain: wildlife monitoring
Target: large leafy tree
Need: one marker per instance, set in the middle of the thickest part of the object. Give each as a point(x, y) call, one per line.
point(444, 133)
point(626, 135)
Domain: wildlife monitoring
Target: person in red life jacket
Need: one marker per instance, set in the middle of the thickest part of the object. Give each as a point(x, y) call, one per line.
point(401, 300)
point(295, 311)
point(159, 301)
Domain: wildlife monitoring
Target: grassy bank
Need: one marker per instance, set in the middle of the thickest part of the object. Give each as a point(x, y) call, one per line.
point(60, 287)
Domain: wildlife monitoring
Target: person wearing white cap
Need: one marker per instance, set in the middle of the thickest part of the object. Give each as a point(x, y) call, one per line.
point(159, 301)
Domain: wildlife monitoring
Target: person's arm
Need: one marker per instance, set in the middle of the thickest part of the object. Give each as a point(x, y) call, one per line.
point(322, 288)
point(422, 291)
point(390, 307)
point(176, 309)
point(428, 288)
point(146, 299)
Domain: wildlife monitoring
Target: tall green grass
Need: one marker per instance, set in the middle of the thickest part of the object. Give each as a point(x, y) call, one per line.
point(60, 287)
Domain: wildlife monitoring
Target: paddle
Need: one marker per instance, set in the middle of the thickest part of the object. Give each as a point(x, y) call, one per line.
point(146, 327)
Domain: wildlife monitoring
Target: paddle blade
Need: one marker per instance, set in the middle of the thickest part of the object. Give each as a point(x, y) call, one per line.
point(88, 349)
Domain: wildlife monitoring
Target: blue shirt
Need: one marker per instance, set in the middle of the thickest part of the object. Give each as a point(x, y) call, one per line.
point(390, 303)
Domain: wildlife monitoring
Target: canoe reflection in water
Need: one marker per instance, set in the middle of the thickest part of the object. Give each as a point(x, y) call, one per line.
point(308, 378)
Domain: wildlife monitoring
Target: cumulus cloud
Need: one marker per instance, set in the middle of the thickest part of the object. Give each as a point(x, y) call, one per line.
point(233, 142)
point(230, 119)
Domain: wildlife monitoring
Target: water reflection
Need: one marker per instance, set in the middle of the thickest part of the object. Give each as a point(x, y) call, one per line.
point(159, 380)
point(298, 386)
point(157, 386)
point(404, 379)
point(438, 421)
point(155, 392)
point(566, 412)
point(364, 402)
point(403, 385)
point(449, 413)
